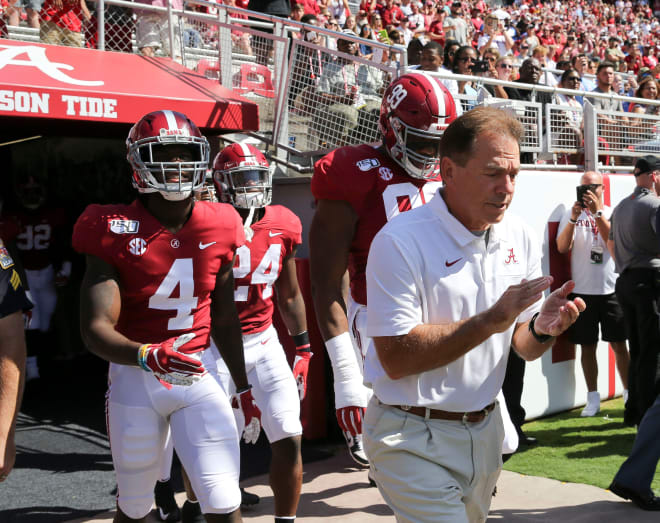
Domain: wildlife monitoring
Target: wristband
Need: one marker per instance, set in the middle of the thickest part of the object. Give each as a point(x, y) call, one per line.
point(541, 338)
point(301, 341)
point(571, 220)
point(142, 357)
point(244, 389)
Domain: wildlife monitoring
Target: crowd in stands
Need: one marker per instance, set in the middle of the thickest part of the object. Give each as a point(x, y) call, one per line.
point(587, 46)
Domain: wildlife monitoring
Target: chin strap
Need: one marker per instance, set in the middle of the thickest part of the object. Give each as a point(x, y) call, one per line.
point(249, 233)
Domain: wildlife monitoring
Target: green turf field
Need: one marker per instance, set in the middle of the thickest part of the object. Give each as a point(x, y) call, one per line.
point(578, 450)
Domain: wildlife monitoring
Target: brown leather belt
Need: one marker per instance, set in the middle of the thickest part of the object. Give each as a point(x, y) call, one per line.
point(426, 413)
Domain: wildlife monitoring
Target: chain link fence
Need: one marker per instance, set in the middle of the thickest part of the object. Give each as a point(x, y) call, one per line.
point(314, 93)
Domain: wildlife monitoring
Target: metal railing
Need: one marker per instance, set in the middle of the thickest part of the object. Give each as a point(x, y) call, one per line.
point(313, 98)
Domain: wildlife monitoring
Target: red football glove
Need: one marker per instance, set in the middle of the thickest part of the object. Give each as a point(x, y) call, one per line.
point(301, 362)
point(350, 419)
point(245, 402)
point(168, 364)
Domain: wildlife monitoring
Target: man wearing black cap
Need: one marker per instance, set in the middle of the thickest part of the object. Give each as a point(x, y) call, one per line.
point(454, 26)
point(635, 245)
point(636, 249)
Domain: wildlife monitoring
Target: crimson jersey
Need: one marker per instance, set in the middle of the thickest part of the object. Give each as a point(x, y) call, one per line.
point(166, 279)
point(377, 188)
point(259, 263)
point(36, 239)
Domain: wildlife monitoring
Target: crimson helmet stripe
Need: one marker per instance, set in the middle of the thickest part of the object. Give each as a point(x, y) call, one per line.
point(171, 120)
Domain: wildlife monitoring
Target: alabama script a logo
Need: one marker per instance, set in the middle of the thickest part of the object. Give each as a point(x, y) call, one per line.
point(36, 57)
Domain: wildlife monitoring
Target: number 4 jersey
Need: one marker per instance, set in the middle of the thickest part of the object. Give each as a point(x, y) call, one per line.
point(166, 279)
point(259, 263)
point(377, 188)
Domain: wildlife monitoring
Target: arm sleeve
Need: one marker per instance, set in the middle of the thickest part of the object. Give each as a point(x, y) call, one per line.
point(392, 291)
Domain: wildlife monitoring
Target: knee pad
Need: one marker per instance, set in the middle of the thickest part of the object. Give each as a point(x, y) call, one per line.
point(222, 499)
point(136, 507)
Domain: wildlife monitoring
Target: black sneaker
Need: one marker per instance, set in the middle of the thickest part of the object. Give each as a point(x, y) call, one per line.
point(248, 499)
point(192, 513)
point(165, 503)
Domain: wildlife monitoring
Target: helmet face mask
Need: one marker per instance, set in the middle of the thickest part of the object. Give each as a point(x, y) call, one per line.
point(168, 155)
point(31, 194)
point(250, 187)
point(243, 177)
point(415, 111)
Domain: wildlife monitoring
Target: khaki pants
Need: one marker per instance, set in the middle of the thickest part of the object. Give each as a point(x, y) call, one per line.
point(433, 470)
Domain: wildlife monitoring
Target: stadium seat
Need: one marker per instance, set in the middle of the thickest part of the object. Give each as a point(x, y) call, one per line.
point(255, 78)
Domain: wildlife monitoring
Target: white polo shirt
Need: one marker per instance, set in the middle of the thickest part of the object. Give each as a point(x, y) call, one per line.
point(425, 267)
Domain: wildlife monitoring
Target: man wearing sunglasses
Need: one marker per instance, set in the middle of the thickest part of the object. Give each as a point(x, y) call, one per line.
point(583, 231)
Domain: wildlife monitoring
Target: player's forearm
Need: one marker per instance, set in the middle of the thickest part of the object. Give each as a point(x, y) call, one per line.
point(229, 340)
point(292, 310)
point(330, 311)
point(427, 347)
point(12, 371)
point(102, 339)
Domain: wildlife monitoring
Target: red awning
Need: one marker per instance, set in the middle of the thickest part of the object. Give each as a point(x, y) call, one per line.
point(81, 85)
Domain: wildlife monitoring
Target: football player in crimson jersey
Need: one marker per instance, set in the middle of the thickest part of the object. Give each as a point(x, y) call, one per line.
point(158, 286)
point(265, 269)
point(42, 246)
point(358, 189)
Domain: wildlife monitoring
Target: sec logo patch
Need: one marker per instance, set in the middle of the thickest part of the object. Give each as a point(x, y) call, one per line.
point(137, 246)
point(386, 173)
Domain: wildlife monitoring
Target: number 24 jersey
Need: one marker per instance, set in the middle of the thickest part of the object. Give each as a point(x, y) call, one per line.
point(259, 263)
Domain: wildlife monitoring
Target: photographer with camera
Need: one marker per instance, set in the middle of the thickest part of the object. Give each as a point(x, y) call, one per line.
point(583, 231)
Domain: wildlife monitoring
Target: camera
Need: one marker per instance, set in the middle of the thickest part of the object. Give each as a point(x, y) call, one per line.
point(582, 190)
point(480, 66)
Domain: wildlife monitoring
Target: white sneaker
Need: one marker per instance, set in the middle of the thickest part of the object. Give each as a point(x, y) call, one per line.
point(625, 397)
point(593, 405)
point(356, 450)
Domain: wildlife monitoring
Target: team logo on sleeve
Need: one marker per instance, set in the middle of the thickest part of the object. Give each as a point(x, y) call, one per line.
point(137, 246)
point(5, 259)
point(124, 226)
point(368, 164)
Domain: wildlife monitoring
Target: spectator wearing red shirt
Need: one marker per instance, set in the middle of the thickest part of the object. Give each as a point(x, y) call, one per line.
point(634, 60)
point(311, 6)
point(390, 13)
point(435, 31)
point(476, 20)
point(62, 22)
point(370, 6)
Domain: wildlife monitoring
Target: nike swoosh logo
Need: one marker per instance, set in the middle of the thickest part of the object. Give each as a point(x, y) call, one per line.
point(449, 264)
point(271, 233)
point(203, 246)
point(265, 341)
